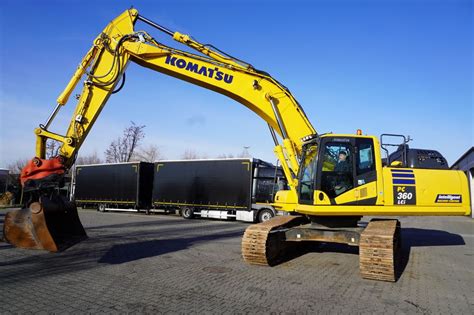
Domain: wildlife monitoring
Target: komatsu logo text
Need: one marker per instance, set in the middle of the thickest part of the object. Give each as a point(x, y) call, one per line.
point(202, 70)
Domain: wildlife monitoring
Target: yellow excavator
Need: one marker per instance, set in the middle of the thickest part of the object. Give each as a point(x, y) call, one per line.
point(334, 179)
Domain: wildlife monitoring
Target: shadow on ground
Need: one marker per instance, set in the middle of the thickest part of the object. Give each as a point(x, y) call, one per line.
point(415, 237)
point(108, 248)
point(123, 253)
point(142, 224)
point(411, 237)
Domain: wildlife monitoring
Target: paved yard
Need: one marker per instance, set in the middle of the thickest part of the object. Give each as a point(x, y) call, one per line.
point(162, 263)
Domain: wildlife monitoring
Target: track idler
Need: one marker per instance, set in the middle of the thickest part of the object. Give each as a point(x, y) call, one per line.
point(51, 224)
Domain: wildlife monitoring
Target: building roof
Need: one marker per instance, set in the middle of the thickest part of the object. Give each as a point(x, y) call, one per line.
point(467, 158)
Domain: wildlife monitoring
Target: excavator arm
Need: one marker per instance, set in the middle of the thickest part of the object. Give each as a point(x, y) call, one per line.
point(103, 69)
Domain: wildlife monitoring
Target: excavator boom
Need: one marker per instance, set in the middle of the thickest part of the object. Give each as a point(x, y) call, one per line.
point(102, 70)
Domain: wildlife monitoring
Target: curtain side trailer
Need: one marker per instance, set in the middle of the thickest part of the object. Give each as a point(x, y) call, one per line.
point(241, 189)
point(117, 187)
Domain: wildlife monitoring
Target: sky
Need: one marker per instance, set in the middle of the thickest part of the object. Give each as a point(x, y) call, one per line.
point(401, 67)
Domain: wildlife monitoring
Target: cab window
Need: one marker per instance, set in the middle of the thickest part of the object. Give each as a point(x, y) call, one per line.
point(337, 170)
point(365, 162)
point(308, 173)
point(365, 156)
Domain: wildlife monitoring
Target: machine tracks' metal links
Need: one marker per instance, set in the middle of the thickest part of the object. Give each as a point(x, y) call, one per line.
point(262, 244)
point(379, 250)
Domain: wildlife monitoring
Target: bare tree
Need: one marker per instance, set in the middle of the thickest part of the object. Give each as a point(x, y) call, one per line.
point(17, 166)
point(123, 148)
point(191, 154)
point(89, 159)
point(52, 148)
point(225, 156)
point(131, 139)
point(113, 154)
point(150, 153)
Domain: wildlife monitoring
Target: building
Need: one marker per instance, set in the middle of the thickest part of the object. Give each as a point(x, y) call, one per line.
point(466, 163)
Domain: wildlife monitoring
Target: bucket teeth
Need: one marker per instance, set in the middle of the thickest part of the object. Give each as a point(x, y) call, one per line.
point(51, 224)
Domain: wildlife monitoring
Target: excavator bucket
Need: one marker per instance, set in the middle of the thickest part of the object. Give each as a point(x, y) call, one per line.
point(51, 224)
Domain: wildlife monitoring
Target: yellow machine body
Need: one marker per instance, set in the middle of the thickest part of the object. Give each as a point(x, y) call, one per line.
point(396, 191)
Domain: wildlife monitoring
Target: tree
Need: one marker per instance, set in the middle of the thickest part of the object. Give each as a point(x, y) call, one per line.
point(150, 153)
point(52, 148)
point(191, 154)
point(17, 166)
point(123, 148)
point(88, 159)
point(225, 156)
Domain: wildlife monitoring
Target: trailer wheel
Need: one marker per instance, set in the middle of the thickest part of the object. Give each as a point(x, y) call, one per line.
point(101, 207)
point(187, 212)
point(265, 215)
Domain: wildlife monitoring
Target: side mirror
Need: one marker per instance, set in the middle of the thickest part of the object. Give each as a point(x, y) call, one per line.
point(396, 163)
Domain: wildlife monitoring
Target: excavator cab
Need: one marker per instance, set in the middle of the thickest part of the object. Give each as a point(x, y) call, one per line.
point(333, 165)
point(48, 221)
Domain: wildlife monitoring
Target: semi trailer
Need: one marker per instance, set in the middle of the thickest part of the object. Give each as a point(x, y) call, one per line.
point(240, 189)
point(118, 186)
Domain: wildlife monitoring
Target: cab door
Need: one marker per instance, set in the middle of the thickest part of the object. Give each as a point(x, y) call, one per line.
point(365, 162)
point(336, 167)
point(307, 175)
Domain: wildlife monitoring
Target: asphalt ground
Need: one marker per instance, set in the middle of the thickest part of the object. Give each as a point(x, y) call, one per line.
point(134, 263)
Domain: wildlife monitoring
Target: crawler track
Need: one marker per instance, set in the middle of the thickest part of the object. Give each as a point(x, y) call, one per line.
point(379, 250)
point(264, 243)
